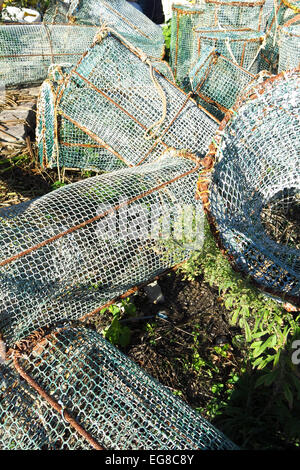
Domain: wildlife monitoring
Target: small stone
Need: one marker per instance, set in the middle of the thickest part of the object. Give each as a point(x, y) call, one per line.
point(221, 340)
point(154, 293)
point(17, 123)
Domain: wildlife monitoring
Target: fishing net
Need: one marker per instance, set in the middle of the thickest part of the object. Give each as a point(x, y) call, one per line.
point(62, 144)
point(73, 250)
point(78, 384)
point(57, 12)
point(217, 80)
point(119, 15)
point(254, 190)
point(289, 45)
point(210, 15)
point(184, 19)
point(116, 98)
point(282, 12)
point(239, 14)
point(27, 51)
point(267, 11)
point(239, 45)
point(28, 422)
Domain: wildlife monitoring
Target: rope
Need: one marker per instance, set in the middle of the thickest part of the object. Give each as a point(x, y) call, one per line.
point(50, 43)
point(262, 46)
point(291, 6)
point(227, 43)
point(102, 33)
point(161, 92)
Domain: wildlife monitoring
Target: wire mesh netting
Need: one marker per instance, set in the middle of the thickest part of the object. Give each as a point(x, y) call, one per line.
point(119, 15)
point(289, 45)
point(218, 80)
point(57, 12)
point(73, 372)
point(209, 15)
point(27, 51)
point(184, 19)
point(267, 11)
point(240, 14)
point(282, 12)
point(255, 185)
point(28, 422)
point(239, 45)
point(73, 250)
point(136, 112)
point(62, 144)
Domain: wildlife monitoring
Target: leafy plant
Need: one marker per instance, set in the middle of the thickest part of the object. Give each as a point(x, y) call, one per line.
point(167, 36)
point(117, 333)
point(268, 333)
point(57, 184)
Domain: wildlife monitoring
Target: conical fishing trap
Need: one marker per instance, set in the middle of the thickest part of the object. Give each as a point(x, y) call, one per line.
point(252, 194)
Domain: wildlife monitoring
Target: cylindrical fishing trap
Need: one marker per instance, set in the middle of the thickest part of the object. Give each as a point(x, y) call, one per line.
point(119, 15)
point(75, 383)
point(73, 250)
point(289, 45)
point(28, 422)
point(117, 98)
point(254, 189)
point(217, 80)
point(27, 51)
point(283, 11)
point(242, 46)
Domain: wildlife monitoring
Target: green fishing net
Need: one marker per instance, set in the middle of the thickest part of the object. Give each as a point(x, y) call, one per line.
point(75, 373)
point(117, 108)
point(118, 14)
point(27, 51)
